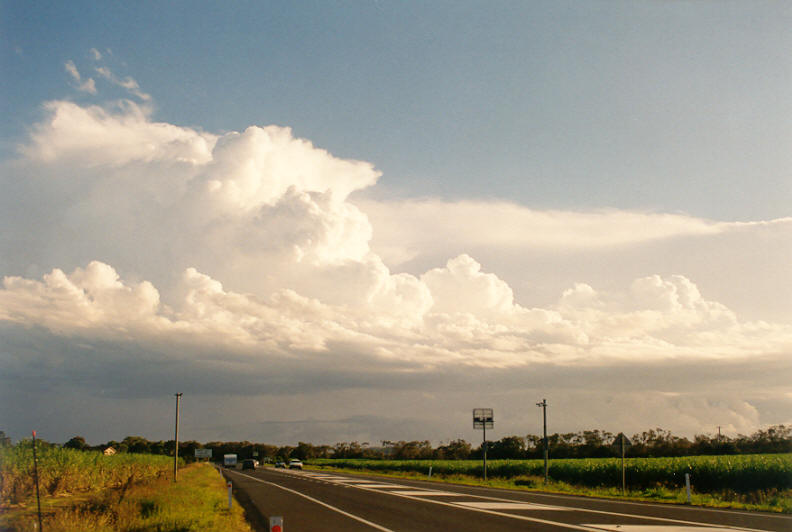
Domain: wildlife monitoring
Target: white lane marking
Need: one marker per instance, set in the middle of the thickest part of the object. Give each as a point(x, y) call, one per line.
point(653, 505)
point(696, 524)
point(480, 510)
point(426, 493)
point(509, 506)
point(380, 486)
point(658, 528)
point(644, 517)
point(317, 501)
point(490, 512)
point(355, 481)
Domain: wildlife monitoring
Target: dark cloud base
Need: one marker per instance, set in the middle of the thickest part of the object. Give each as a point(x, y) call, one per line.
point(107, 390)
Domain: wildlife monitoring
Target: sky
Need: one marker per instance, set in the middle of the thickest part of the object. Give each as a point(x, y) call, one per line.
point(358, 221)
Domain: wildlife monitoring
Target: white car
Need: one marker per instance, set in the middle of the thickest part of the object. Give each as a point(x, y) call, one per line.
point(295, 464)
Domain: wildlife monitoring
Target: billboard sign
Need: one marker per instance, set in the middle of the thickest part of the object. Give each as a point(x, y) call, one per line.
point(203, 453)
point(482, 418)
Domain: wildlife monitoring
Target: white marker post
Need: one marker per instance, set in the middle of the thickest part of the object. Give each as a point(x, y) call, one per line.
point(276, 523)
point(230, 499)
point(687, 486)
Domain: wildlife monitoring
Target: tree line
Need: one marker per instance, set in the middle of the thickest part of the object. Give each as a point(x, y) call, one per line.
point(582, 444)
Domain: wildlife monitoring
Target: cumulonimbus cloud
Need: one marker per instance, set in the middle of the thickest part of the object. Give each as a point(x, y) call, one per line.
point(250, 241)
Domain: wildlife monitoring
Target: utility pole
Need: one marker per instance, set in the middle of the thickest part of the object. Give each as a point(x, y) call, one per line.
point(35, 472)
point(543, 404)
point(176, 440)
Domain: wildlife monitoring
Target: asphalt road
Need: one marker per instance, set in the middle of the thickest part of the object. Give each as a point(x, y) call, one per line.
point(321, 501)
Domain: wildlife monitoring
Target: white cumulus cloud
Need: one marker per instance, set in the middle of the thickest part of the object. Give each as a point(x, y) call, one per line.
point(257, 249)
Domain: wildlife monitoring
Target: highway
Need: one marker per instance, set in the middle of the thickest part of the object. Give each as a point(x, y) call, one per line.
point(322, 501)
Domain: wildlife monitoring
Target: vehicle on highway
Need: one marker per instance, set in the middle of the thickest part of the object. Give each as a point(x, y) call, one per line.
point(280, 464)
point(295, 464)
point(249, 464)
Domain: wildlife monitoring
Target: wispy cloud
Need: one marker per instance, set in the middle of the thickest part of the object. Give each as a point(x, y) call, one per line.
point(87, 85)
point(127, 83)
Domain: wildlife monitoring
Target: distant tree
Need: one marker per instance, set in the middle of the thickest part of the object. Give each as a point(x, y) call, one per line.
point(409, 450)
point(137, 444)
point(454, 450)
point(77, 442)
point(510, 447)
point(5, 441)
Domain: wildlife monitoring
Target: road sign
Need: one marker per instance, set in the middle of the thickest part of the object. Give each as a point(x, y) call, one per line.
point(203, 453)
point(621, 438)
point(482, 418)
point(276, 524)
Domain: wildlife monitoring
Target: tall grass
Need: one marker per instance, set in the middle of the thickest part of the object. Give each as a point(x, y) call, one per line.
point(85, 491)
point(741, 474)
point(68, 471)
point(197, 502)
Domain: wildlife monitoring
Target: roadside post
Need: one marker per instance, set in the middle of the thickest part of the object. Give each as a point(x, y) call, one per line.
point(621, 443)
point(230, 498)
point(687, 486)
point(276, 523)
point(176, 440)
point(483, 419)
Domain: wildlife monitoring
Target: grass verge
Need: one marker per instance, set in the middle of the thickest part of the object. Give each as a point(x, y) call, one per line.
point(198, 501)
point(773, 500)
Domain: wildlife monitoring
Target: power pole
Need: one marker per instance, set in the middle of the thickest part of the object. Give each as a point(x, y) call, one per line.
point(484, 448)
point(176, 440)
point(36, 475)
point(543, 404)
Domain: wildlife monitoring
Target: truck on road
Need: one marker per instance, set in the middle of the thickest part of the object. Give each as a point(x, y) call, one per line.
point(229, 460)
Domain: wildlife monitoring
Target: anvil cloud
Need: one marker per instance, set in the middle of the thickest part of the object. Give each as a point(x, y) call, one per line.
point(261, 249)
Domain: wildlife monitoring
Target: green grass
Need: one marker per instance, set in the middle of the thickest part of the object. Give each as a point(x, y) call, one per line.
point(755, 482)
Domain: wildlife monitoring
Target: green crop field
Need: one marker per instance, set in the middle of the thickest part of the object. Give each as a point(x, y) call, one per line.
point(738, 473)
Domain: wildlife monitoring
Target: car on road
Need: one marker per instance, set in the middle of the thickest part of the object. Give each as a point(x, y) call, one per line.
point(249, 464)
point(295, 464)
point(281, 465)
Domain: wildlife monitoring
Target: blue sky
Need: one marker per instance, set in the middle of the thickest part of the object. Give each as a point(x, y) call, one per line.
point(674, 106)
point(381, 215)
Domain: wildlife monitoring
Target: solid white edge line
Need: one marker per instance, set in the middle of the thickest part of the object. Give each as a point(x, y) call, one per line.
point(339, 510)
point(618, 514)
point(653, 504)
